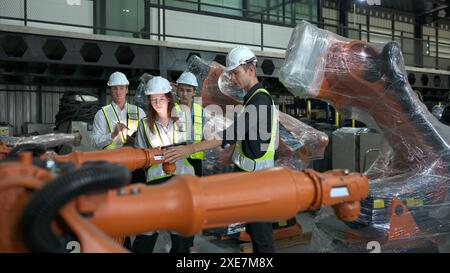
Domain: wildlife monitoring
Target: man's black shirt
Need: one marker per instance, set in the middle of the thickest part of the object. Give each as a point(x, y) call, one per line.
point(252, 148)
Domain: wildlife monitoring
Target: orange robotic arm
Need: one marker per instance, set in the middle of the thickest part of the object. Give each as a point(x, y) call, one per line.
point(4, 150)
point(186, 204)
point(129, 157)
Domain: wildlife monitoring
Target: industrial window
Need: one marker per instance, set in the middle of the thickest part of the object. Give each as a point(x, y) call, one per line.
point(305, 10)
point(123, 18)
point(283, 11)
point(189, 5)
point(272, 10)
point(228, 7)
point(50, 14)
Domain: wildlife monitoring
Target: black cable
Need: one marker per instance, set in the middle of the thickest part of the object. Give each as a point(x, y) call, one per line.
point(46, 203)
point(446, 115)
point(36, 149)
point(71, 109)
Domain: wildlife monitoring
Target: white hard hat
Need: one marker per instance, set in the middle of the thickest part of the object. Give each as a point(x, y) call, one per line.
point(117, 78)
point(157, 85)
point(238, 56)
point(188, 78)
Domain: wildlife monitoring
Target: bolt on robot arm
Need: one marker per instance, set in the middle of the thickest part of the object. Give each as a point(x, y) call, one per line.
point(95, 204)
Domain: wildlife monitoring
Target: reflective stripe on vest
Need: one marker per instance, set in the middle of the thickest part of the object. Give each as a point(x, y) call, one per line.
point(154, 140)
point(133, 118)
point(181, 124)
point(132, 122)
point(267, 160)
point(198, 129)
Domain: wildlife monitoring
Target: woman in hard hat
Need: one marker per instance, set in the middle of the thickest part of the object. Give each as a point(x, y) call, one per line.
point(164, 126)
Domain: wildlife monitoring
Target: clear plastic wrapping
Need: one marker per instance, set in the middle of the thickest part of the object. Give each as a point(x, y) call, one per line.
point(299, 143)
point(140, 99)
point(437, 111)
point(408, 208)
point(47, 140)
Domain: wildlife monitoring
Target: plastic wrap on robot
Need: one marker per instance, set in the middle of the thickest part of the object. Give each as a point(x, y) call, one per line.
point(414, 164)
point(299, 143)
point(140, 99)
point(437, 111)
point(47, 140)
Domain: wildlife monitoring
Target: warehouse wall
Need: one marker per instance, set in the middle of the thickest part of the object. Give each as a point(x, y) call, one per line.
point(12, 8)
point(77, 12)
point(354, 20)
point(24, 103)
point(208, 27)
point(17, 107)
point(330, 17)
point(195, 27)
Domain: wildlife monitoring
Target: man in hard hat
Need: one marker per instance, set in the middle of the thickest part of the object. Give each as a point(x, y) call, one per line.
point(255, 141)
point(186, 87)
point(115, 124)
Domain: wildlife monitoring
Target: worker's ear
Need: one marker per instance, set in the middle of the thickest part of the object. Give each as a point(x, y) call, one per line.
point(252, 69)
point(173, 97)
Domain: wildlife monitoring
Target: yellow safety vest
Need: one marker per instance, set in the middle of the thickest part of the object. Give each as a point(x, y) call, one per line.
point(156, 172)
point(267, 160)
point(132, 121)
point(198, 129)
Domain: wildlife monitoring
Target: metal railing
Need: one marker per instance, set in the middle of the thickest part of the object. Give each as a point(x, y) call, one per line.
point(416, 51)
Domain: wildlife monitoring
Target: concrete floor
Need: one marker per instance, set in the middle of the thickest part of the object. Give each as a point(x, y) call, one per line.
point(211, 244)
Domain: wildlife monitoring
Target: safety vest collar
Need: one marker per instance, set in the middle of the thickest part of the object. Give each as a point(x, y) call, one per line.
point(111, 115)
point(252, 91)
point(197, 129)
point(154, 140)
point(267, 160)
